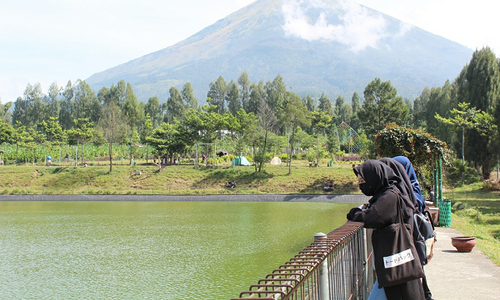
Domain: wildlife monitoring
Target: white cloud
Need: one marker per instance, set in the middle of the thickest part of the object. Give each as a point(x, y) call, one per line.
point(359, 27)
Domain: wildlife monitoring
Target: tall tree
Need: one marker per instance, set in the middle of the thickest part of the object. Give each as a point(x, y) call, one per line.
point(131, 109)
point(381, 106)
point(29, 110)
point(153, 109)
point(233, 98)
point(420, 109)
point(268, 123)
point(5, 115)
point(309, 101)
point(277, 96)
point(257, 93)
point(320, 121)
point(175, 106)
point(217, 94)
point(67, 111)
point(86, 103)
point(53, 102)
point(244, 85)
point(146, 132)
point(188, 96)
point(355, 103)
point(294, 114)
point(113, 126)
point(483, 92)
point(325, 104)
point(467, 118)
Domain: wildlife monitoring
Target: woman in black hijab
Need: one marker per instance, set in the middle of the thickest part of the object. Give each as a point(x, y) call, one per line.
point(378, 180)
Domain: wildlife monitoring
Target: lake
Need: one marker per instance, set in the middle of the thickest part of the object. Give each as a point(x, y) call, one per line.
point(151, 250)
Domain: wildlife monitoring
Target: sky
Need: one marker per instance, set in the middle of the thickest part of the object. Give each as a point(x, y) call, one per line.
point(46, 41)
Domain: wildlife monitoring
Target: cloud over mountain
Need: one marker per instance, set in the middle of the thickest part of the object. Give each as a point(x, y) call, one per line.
point(359, 28)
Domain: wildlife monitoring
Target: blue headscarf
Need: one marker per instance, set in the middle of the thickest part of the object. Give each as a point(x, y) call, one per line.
point(413, 179)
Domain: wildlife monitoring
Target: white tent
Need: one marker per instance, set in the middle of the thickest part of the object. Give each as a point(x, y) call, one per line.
point(276, 161)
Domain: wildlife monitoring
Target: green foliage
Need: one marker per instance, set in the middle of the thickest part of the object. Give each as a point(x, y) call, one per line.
point(460, 174)
point(381, 106)
point(417, 145)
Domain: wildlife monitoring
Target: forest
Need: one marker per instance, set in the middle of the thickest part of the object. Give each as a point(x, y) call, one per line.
point(257, 119)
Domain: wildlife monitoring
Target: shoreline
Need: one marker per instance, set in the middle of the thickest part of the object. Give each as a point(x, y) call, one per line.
point(193, 198)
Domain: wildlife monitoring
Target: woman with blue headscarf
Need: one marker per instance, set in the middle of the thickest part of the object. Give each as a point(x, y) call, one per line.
point(413, 179)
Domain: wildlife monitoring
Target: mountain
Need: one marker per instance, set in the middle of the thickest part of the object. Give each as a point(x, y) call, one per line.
point(335, 47)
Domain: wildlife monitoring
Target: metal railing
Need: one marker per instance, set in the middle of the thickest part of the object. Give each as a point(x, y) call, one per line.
point(335, 266)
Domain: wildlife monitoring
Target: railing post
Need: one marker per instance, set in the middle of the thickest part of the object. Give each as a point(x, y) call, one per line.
point(366, 293)
point(323, 272)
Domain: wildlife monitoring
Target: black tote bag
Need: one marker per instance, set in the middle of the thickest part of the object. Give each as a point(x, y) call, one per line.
point(396, 262)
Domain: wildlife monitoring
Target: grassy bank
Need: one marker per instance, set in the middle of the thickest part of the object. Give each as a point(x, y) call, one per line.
point(476, 212)
point(176, 179)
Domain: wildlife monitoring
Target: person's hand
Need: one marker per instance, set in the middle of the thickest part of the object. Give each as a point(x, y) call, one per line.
point(363, 206)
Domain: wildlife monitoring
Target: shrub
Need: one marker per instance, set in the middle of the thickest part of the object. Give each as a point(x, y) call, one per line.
point(459, 174)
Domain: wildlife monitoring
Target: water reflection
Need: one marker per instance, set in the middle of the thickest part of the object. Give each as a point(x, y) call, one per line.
point(151, 250)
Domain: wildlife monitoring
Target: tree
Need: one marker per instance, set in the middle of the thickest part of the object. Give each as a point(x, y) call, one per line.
point(309, 102)
point(257, 93)
point(188, 97)
point(381, 106)
point(175, 106)
point(320, 121)
point(420, 108)
point(244, 92)
point(147, 129)
point(66, 113)
point(355, 103)
point(325, 104)
point(30, 109)
point(168, 139)
point(53, 132)
point(277, 95)
point(81, 133)
point(468, 118)
point(153, 109)
point(131, 109)
point(217, 94)
point(20, 137)
point(53, 103)
point(204, 125)
point(233, 98)
point(86, 104)
point(4, 112)
point(113, 127)
point(6, 133)
point(267, 122)
point(294, 114)
point(483, 92)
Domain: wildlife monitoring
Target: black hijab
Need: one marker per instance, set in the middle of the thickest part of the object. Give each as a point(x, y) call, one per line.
point(378, 176)
point(403, 182)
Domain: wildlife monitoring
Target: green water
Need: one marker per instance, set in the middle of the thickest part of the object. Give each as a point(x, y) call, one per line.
point(151, 250)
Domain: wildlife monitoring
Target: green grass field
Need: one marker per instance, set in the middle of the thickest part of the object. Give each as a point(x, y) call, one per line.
point(181, 179)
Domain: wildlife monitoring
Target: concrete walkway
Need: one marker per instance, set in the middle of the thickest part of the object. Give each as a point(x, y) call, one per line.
point(453, 275)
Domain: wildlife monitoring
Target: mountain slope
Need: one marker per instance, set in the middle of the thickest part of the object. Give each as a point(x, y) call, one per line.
point(335, 47)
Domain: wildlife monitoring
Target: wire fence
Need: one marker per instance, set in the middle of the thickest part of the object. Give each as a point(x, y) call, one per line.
point(336, 266)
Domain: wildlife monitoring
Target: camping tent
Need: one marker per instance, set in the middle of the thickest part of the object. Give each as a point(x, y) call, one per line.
point(241, 161)
point(276, 161)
